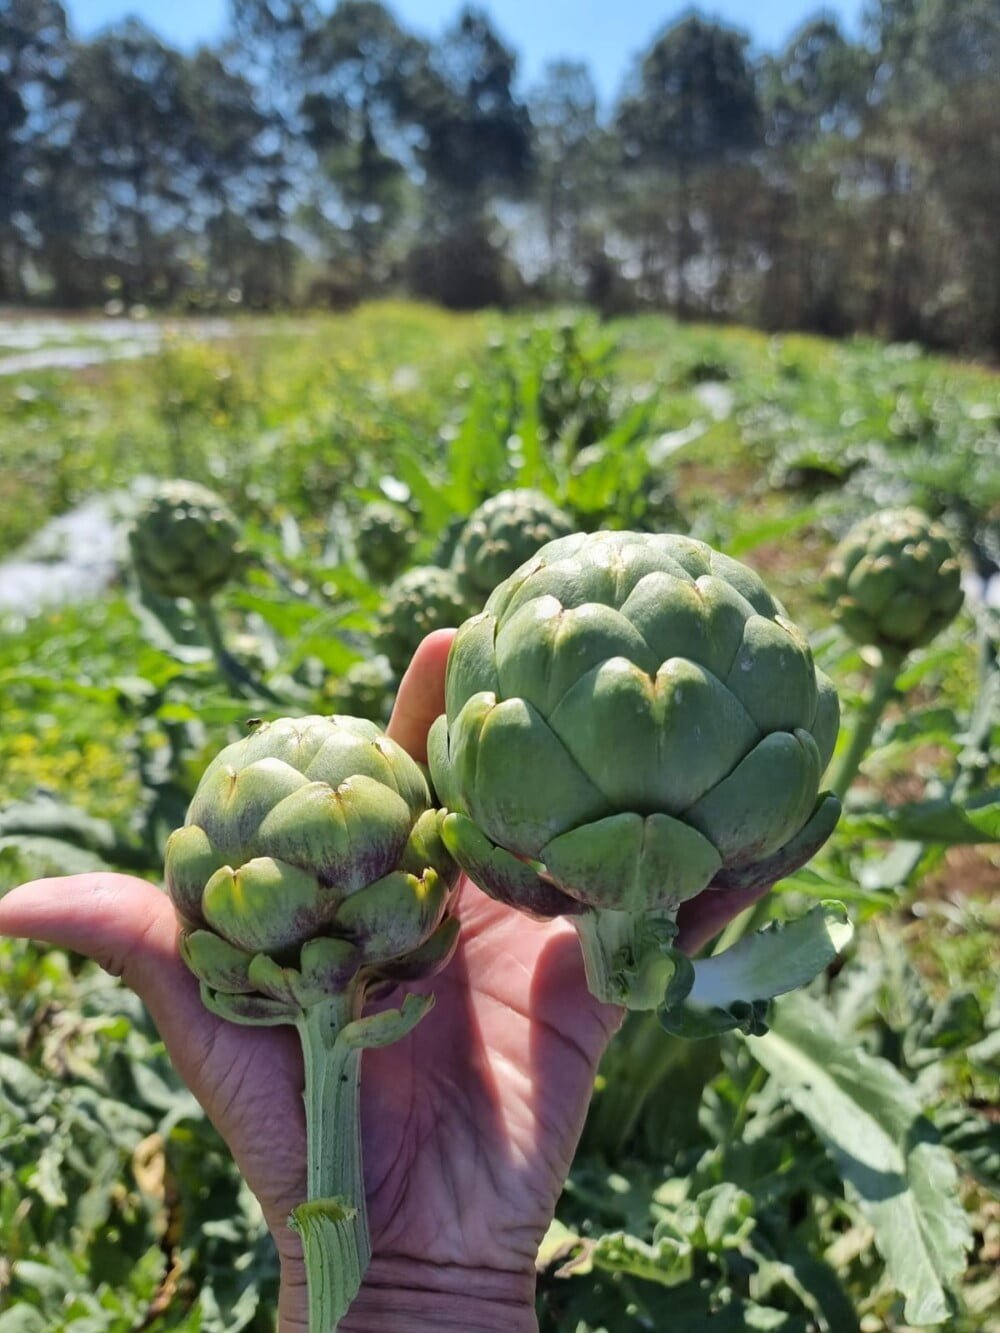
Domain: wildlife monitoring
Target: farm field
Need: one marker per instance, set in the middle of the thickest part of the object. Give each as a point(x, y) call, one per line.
point(840, 1173)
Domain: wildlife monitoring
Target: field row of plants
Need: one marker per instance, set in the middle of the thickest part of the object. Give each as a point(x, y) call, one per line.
point(834, 1168)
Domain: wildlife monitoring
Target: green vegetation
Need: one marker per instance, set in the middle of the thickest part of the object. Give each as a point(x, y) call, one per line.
point(840, 1172)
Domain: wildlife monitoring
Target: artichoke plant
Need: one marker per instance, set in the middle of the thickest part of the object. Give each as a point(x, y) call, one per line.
point(421, 600)
point(501, 534)
point(630, 722)
point(310, 871)
point(364, 690)
point(384, 537)
point(894, 581)
point(185, 542)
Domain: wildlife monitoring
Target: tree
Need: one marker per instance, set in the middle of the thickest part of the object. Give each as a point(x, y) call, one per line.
point(573, 161)
point(475, 150)
point(360, 113)
point(33, 51)
point(692, 106)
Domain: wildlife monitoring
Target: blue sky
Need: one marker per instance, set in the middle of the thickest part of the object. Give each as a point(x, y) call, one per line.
point(604, 33)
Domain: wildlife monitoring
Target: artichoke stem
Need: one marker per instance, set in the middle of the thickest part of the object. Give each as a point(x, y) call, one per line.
point(333, 1221)
point(232, 671)
point(883, 683)
point(626, 956)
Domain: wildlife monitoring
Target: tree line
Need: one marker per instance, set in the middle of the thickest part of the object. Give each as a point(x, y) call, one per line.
point(317, 156)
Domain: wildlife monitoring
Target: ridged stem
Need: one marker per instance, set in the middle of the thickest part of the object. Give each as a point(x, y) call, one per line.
point(882, 686)
point(624, 958)
point(233, 672)
point(333, 1221)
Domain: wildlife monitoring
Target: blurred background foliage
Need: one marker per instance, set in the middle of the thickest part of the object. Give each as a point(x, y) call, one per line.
point(317, 155)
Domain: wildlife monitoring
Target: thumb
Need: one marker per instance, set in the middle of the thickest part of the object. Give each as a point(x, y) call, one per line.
point(123, 923)
point(421, 694)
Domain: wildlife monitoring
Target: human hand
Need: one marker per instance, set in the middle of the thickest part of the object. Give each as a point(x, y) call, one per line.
point(469, 1124)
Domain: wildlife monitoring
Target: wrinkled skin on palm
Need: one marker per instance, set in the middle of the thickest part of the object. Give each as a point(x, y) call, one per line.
point(185, 542)
point(310, 871)
point(631, 721)
point(384, 537)
point(420, 601)
point(895, 581)
point(310, 857)
point(504, 532)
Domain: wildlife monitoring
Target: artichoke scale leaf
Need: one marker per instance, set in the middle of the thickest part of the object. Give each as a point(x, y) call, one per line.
point(631, 863)
point(763, 802)
point(502, 875)
point(247, 1010)
point(701, 620)
point(216, 962)
point(266, 905)
point(431, 957)
point(346, 836)
point(231, 801)
point(773, 675)
point(395, 914)
point(471, 666)
point(191, 861)
point(515, 777)
point(544, 649)
point(655, 743)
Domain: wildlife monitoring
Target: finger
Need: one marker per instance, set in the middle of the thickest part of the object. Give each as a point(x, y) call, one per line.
point(123, 923)
point(421, 694)
point(700, 918)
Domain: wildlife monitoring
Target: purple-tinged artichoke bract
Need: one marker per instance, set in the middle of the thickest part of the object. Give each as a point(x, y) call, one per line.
point(630, 722)
point(894, 582)
point(311, 869)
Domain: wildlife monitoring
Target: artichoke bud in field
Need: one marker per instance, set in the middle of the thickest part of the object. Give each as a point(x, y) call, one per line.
point(894, 582)
point(185, 542)
point(499, 536)
point(384, 537)
point(310, 870)
point(630, 722)
point(311, 862)
point(421, 600)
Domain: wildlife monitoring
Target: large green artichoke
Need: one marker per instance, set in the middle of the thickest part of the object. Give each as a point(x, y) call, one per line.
point(421, 600)
point(501, 534)
point(384, 538)
point(894, 581)
point(311, 869)
point(185, 541)
point(631, 721)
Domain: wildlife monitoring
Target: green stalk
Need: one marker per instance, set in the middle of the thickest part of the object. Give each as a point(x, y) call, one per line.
point(882, 685)
point(650, 1055)
point(333, 1220)
point(625, 956)
point(233, 672)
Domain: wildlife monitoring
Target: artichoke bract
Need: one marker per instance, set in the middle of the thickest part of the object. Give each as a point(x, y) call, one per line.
point(499, 536)
point(631, 721)
point(421, 600)
point(894, 581)
point(310, 870)
point(384, 537)
point(185, 541)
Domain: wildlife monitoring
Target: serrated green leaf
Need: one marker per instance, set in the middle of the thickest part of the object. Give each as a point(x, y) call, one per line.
point(891, 1160)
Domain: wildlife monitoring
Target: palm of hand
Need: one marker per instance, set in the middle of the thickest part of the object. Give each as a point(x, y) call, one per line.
point(469, 1123)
